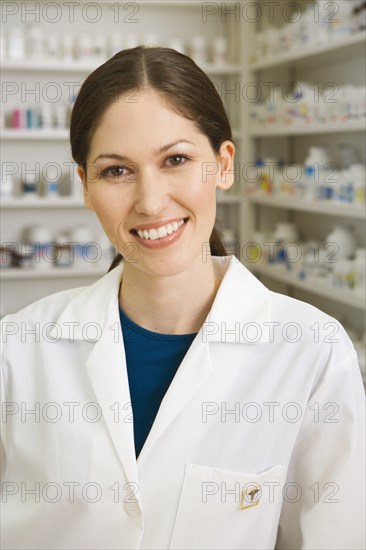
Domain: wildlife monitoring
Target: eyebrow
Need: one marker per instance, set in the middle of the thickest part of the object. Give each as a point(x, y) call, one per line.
point(156, 152)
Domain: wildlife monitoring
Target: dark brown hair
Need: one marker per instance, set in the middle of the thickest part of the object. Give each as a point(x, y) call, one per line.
point(179, 82)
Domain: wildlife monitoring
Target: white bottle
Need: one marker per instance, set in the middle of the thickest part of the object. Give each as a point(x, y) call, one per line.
point(67, 47)
point(84, 47)
point(99, 47)
point(61, 115)
point(219, 51)
point(46, 110)
point(151, 39)
point(177, 44)
point(344, 242)
point(317, 172)
point(84, 248)
point(35, 42)
point(53, 47)
point(199, 50)
point(40, 238)
point(16, 44)
point(341, 22)
point(132, 40)
point(115, 43)
point(6, 186)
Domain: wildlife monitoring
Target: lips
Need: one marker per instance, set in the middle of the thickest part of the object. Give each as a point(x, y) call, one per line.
point(157, 230)
point(160, 236)
point(157, 224)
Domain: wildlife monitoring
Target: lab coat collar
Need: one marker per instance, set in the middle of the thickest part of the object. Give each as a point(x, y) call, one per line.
point(241, 306)
point(238, 313)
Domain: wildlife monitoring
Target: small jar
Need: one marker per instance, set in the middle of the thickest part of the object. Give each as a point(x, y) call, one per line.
point(30, 187)
point(285, 234)
point(63, 255)
point(6, 257)
point(39, 239)
point(27, 260)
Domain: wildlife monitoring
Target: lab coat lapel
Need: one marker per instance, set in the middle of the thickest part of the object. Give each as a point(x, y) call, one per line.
point(106, 366)
point(194, 371)
point(104, 359)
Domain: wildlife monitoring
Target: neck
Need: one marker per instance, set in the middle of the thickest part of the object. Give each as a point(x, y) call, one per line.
point(177, 304)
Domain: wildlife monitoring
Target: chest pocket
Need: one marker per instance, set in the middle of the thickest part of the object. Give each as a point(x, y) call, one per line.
point(220, 509)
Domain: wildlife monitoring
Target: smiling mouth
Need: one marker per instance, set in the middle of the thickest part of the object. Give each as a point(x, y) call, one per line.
point(161, 232)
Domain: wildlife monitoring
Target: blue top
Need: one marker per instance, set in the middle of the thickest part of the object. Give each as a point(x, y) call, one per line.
point(152, 361)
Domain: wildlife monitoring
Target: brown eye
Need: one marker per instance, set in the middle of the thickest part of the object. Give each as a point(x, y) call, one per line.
point(115, 171)
point(176, 160)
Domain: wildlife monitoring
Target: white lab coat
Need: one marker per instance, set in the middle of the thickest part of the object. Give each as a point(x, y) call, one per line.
point(269, 415)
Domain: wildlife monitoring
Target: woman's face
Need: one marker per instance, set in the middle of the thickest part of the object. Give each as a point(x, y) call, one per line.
point(151, 180)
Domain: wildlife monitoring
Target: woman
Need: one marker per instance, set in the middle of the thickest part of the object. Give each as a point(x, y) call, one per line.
point(247, 404)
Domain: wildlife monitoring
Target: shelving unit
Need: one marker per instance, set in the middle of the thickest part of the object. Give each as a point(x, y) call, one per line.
point(82, 67)
point(26, 147)
point(339, 61)
point(309, 129)
point(321, 207)
point(312, 285)
point(331, 49)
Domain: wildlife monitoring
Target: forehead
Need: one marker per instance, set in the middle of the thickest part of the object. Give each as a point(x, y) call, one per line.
point(142, 117)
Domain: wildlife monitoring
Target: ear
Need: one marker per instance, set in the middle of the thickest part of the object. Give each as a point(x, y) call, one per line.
point(225, 177)
point(82, 176)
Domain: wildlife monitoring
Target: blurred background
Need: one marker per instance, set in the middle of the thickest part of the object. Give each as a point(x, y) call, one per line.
point(292, 78)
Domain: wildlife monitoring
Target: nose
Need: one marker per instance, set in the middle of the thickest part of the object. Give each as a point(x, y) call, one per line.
point(151, 196)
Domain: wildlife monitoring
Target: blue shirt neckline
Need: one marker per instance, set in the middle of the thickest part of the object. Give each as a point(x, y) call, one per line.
point(152, 334)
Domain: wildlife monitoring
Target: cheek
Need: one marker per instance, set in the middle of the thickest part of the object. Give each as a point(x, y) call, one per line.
point(202, 186)
point(109, 210)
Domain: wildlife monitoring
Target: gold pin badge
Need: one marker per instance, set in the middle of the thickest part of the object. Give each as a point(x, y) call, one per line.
point(250, 496)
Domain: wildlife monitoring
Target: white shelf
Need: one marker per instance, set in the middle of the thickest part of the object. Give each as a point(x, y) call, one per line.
point(308, 129)
point(313, 285)
point(10, 134)
point(41, 202)
point(292, 57)
point(13, 274)
point(87, 67)
point(63, 134)
point(71, 202)
point(328, 208)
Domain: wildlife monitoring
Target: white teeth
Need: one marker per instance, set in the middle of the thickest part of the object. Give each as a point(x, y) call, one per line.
point(163, 231)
